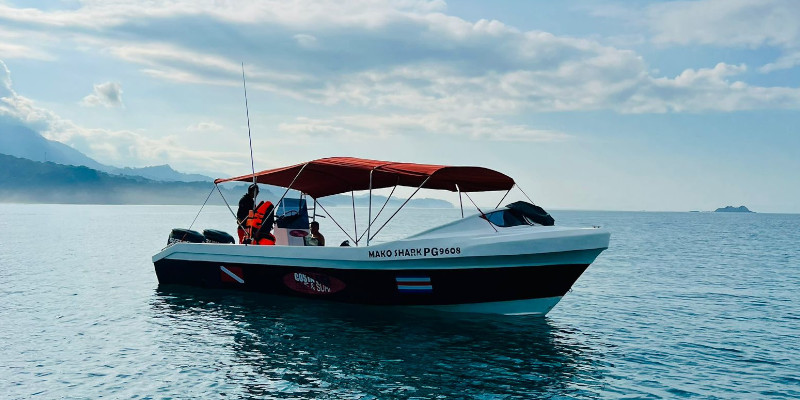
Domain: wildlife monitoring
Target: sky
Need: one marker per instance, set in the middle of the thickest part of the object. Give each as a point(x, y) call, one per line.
point(600, 105)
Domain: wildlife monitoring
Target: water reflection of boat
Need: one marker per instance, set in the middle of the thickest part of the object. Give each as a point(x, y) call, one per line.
point(510, 260)
point(291, 348)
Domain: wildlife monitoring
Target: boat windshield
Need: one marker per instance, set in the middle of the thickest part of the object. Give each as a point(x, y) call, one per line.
point(505, 218)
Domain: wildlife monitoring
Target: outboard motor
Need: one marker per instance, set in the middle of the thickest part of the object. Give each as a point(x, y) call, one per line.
point(532, 212)
point(185, 235)
point(215, 236)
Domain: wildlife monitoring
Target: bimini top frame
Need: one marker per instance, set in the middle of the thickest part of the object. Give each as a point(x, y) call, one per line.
point(337, 175)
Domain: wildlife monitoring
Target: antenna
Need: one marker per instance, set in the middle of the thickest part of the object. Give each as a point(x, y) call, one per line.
point(249, 136)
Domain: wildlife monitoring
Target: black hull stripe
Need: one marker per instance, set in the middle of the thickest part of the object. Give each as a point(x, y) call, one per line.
point(380, 287)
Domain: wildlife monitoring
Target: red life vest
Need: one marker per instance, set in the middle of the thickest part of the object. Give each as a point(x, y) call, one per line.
point(267, 241)
point(256, 219)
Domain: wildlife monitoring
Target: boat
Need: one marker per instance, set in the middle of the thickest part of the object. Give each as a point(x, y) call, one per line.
point(511, 259)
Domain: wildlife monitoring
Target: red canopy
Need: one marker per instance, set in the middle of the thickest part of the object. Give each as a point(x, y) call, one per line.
point(329, 176)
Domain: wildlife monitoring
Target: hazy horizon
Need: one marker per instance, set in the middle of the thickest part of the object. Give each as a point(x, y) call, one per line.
point(219, 203)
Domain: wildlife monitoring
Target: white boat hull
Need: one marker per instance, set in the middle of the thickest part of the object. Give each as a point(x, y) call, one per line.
point(460, 267)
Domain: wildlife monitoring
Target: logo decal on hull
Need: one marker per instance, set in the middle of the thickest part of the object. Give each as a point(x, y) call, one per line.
point(312, 283)
point(414, 284)
point(298, 233)
point(231, 274)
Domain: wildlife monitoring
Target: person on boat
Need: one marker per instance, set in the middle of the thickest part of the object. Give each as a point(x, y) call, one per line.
point(247, 204)
point(316, 235)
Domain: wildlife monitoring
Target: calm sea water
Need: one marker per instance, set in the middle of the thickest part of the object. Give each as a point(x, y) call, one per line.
point(696, 305)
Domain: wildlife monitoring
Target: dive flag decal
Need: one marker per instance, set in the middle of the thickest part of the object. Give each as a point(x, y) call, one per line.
point(414, 284)
point(231, 274)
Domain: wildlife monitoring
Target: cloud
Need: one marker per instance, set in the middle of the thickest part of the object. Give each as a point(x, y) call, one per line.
point(208, 126)
point(731, 23)
point(11, 50)
point(307, 41)
point(742, 23)
point(107, 94)
point(129, 148)
point(5, 81)
point(357, 128)
point(19, 108)
point(112, 147)
point(786, 61)
point(708, 89)
point(389, 56)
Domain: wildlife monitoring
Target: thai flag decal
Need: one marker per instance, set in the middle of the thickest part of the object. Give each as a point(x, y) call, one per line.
point(414, 284)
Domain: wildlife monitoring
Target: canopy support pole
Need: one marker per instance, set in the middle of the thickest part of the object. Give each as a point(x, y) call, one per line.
point(201, 207)
point(372, 221)
point(314, 216)
point(482, 214)
point(504, 197)
point(402, 205)
point(460, 202)
point(335, 222)
point(369, 213)
point(355, 222)
point(523, 192)
point(226, 203)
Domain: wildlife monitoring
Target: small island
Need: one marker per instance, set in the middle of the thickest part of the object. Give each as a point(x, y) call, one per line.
point(740, 209)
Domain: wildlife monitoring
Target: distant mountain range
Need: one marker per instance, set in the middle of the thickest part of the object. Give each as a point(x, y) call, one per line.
point(27, 181)
point(23, 142)
point(34, 169)
point(161, 173)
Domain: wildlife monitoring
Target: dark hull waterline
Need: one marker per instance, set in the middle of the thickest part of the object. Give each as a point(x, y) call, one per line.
point(421, 287)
